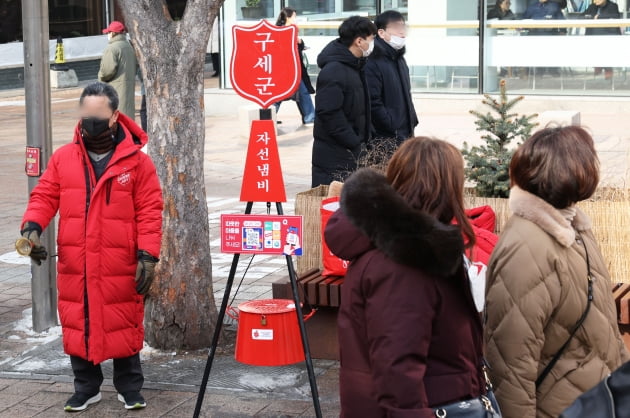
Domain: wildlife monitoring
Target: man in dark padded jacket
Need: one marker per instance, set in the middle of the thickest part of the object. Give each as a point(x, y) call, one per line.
point(342, 103)
point(393, 113)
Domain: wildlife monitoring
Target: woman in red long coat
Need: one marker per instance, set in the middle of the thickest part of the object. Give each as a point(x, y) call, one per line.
point(409, 333)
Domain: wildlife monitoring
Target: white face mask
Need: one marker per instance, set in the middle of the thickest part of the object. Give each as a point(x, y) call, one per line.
point(397, 42)
point(110, 35)
point(367, 52)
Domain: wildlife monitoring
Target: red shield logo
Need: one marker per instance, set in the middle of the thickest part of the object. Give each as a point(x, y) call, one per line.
point(265, 65)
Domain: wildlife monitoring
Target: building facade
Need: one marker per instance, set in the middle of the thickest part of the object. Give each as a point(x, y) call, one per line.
point(453, 46)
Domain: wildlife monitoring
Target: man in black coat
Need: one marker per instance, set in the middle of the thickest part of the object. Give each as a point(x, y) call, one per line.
point(603, 9)
point(342, 103)
point(393, 113)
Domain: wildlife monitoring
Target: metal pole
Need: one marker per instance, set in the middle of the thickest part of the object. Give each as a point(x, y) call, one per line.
point(218, 326)
point(39, 135)
point(482, 46)
point(107, 18)
point(305, 345)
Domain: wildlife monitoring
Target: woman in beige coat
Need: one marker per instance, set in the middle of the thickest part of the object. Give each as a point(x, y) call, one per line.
point(538, 282)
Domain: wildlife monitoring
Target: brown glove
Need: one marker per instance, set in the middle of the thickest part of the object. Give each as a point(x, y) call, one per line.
point(32, 232)
point(145, 272)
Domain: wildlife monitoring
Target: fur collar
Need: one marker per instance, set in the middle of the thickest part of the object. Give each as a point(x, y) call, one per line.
point(549, 219)
point(404, 234)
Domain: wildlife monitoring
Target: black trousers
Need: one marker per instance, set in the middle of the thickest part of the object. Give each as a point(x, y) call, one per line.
point(215, 63)
point(143, 113)
point(88, 377)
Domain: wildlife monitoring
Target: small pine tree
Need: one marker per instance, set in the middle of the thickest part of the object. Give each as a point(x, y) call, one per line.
point(488, 164)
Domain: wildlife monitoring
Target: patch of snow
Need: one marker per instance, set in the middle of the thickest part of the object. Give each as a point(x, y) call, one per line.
point(13, 337)
point(25, 326)
point(148, 352)
point(14, 258)
point(6, 360)
point(267, 383)
point(34, 365)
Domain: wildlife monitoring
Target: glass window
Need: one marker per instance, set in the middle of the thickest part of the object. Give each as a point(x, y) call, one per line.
point(313, 7)
point(67, 18)
point(362, 7)
point(395, 4)
point(443, 46)
point(563, 50)
point(10, 21)
point(255, 9)
point(73, 18)
point(443, 41)
point(547, 49)
point(333, 9)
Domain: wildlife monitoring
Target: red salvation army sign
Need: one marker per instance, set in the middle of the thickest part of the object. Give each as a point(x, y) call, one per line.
point(265, 65)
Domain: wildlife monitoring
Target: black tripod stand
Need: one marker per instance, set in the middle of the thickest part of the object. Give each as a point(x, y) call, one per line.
point(298, 311)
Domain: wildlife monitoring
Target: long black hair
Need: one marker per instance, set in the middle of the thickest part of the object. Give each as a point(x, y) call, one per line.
point(285, 13)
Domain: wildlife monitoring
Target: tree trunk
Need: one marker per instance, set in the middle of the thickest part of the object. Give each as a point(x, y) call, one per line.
point(180, 310)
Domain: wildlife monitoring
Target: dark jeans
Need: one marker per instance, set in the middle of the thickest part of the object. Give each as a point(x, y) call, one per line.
point(215, 63)
point(88, 377)
point(304, 103)
point(143, 113)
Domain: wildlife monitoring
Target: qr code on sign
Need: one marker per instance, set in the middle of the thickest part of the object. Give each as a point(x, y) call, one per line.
point(252, 238)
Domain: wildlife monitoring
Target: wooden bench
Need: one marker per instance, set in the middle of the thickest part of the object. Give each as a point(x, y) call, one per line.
point(323, 293)
point(621, 294)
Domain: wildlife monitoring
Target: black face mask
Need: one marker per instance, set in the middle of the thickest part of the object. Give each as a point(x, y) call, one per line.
point(95, 126)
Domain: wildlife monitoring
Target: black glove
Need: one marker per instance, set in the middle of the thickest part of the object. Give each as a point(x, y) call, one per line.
point(145, 271)
point(32, 231)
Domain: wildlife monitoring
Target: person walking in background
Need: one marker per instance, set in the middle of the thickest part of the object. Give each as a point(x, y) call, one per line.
point(108, 197)
point(143, 104)
point(603, 9)
point(143, 94)
point(215, 48)
point(543, 10)
point(342, 103)
point(288, 16)
point(393, 113)
point(551, 331)
point(410, 337)
point(501, 11)
point(119, 67)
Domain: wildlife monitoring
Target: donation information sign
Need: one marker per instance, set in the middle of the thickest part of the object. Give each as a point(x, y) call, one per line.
point(261, 234)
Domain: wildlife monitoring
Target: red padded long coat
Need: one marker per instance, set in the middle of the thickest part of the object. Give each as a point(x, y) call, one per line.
point(410, 337)
point(101, 227)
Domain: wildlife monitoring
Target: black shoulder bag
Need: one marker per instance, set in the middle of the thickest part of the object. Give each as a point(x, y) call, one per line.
point(556, 357)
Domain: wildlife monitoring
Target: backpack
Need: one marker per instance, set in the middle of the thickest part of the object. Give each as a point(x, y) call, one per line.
point(610, 398)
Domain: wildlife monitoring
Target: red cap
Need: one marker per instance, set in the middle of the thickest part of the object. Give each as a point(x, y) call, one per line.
point(115, 26)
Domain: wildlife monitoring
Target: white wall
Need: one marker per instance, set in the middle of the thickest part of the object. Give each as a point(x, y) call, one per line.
point(75, 49)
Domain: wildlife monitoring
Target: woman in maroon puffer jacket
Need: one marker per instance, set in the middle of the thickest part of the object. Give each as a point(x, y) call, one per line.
point(409, 333)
